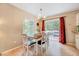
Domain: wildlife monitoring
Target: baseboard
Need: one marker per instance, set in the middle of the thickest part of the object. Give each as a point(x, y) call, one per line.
point(72, 44)
point(4, 52)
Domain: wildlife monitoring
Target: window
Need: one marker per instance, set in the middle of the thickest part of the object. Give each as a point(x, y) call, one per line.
point(29, 27)
point(51, 25)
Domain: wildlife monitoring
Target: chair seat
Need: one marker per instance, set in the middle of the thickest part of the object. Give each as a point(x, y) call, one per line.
point(32, 43)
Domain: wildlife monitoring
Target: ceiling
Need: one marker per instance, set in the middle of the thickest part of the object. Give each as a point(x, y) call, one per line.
point(48, 8)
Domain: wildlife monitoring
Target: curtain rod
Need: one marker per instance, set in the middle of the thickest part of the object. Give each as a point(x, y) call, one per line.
point(54, 18)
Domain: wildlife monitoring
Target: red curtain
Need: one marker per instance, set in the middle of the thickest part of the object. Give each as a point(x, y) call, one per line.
point(43, 25)
point(62, 31)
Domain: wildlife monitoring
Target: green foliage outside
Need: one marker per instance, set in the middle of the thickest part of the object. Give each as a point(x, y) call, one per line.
point(52, 25)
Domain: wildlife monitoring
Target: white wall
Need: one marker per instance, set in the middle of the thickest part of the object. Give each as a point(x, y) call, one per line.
point(77, 33)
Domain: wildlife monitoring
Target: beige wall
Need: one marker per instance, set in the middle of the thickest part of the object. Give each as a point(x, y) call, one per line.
point(11, 19)
point(70, 23)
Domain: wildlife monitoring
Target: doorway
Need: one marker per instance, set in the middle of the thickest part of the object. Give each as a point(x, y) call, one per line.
point(52, 28)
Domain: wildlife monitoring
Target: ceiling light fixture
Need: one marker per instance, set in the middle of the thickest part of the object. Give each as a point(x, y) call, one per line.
point(40, 16)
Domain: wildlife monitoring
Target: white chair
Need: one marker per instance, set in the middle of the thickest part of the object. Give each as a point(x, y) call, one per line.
point(42, 49)
point(44, 44)
point(28, 43)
